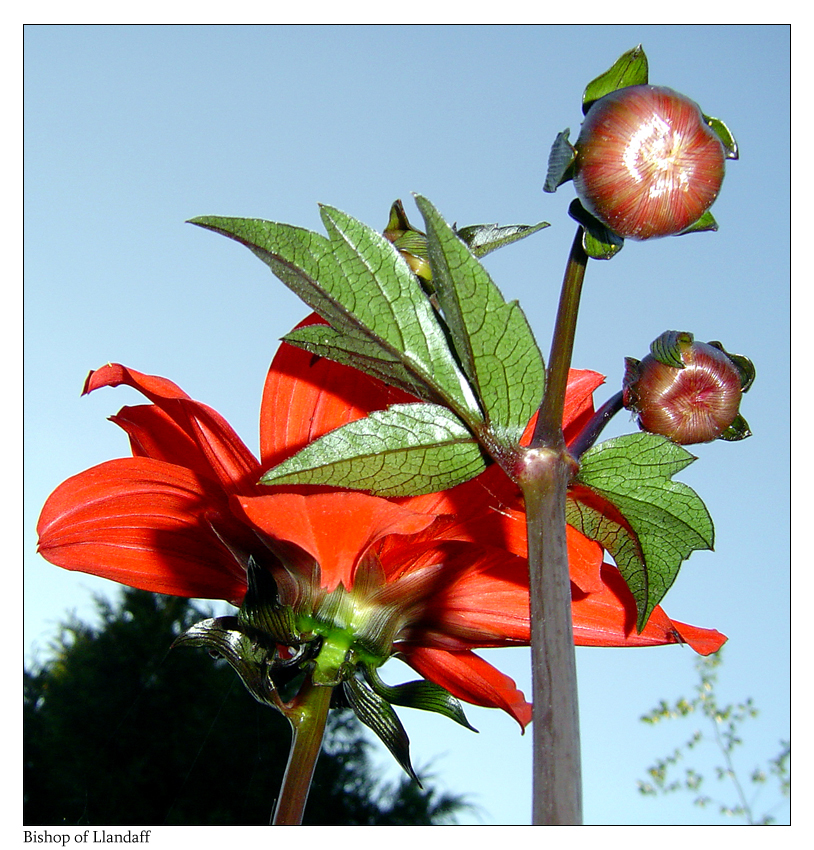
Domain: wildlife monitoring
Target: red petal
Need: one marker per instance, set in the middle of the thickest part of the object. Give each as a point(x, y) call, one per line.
point(585, 559)
point(484, 603)
point(307, 396)
point(336, 528)
point(478, 517)
point(579, 405)
point(608, 618)
point(470, 678)
point(143, 523)
point(212, 447)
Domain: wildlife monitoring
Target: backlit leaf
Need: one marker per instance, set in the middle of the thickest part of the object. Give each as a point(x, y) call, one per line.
point(482, 239)
point(625, 499)
point(630, 69)
point(361, 285)
point(492, 338)
point(406, 450)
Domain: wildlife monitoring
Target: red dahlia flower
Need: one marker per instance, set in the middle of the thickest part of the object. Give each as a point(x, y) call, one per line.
point(355, 578)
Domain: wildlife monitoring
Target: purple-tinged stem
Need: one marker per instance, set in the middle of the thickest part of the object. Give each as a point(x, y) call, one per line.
point(546, 470)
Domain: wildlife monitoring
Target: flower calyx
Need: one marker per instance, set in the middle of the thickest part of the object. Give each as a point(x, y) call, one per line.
point(330, 640)
point(688, 391)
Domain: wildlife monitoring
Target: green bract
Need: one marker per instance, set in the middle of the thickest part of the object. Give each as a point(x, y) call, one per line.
point(340, 641)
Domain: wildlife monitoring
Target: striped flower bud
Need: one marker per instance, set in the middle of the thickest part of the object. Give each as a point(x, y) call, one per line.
point(648, 163)
point(688, 391)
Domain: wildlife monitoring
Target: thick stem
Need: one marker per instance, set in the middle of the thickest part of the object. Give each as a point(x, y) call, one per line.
point(547, 468)
point(307, 716)
point(557, 780)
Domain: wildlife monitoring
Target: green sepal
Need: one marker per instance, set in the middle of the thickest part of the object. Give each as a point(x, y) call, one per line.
point(705, 224)
point(492, 337)
point(668, 347)
point(744, 365)
point(653, 524)
point(406, 450)
point(421, 694)
point(630, 69)
point(738, 430)
point(482, 239)
point(599, 241)
point(376, 713)
point(560, 162)
point(261, 611)
point(361, 285)
point(251, 660)
point(725, 135)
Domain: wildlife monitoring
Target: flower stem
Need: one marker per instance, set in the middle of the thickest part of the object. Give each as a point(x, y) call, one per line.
point(548, 430)
point(307, 715)
point(590, 433)
point(547, 468)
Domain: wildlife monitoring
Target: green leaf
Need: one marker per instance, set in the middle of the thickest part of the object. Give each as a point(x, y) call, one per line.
point(745, 367)
point(655, 524)
point(359, 352)
point(422, 694)
point(492, 338)
point(482, 239)
point(599, 241)
point(361, 285)
point(630, 69)
point(667, 348)
point(705, 224)
point(560, 162)
point(250, 659)
point(738, 430)
point(406, 450)
point(262, 613)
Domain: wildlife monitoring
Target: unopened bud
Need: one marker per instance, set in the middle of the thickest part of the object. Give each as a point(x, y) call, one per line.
point(648, 163)
point(688, 391)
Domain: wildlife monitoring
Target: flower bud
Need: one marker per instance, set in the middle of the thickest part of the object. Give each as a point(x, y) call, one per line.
point(647, 162)
point(688, 391)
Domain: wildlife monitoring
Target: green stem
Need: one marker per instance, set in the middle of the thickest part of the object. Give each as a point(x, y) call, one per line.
point(307, 715)
point(547, 469)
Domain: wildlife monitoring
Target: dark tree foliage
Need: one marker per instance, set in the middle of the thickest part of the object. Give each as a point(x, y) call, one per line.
point(120, 731)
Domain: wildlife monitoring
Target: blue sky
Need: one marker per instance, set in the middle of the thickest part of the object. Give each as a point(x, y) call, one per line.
point(130, 131)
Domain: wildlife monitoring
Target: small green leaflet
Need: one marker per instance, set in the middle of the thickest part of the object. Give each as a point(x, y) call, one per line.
point(482, 239)
point(377, 713)
point(406, 450)
point(659, 523)
point(560, 162)
point(421, 694)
